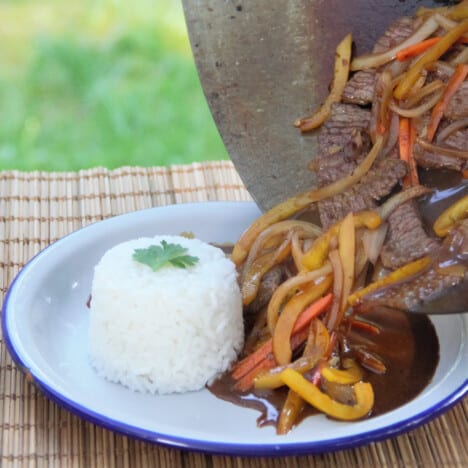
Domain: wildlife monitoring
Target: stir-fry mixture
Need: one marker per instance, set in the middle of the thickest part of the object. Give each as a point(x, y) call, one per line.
point(390, 115)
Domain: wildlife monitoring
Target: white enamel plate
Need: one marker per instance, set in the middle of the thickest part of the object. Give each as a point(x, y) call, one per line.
point(45, 321)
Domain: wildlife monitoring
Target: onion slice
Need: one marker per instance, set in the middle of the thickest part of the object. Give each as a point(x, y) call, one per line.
point(376, 60)
point(401, 197)
point(373, 242)
point(418, 110)
point(453, 127)
point(445, 150)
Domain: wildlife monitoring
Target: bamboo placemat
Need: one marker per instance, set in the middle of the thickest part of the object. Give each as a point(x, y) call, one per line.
point(38, 208)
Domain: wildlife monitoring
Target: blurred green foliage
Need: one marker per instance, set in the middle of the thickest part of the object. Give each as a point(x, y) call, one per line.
point(100, 83)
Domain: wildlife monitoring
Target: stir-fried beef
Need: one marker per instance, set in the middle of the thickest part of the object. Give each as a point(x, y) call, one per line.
point(427, 286)
point(343, 143)
point(331, 167)
point(375, 185)
point(360, 88)
point(406, 238)
point(457, 107)
point(338, 130)
point(409, 295)
point(430, 160)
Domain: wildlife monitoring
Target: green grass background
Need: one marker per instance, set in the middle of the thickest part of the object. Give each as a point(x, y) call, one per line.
point(86, 83)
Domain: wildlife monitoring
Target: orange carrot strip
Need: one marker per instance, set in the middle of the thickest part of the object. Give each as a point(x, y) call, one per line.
point(250, 361)
point(413, 167)
point(453, 84)
point(246, 381)
point(465, 173)
point(416, 49)
point(404, 143)
point(420, 47)
point(407, 136)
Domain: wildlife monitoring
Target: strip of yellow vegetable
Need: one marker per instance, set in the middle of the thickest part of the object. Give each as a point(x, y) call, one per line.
point(286, 320)
point(340, 77)
point(270, 379)
point(363, 392)
point(351, 374)
point(318, 253)
point(434, 53)
point(454, 213)
point(290, 411)
point(401, 274)
point(294, 204)
point(316, 347)
point(347, 250)
point(286, 288)
point(456, 12)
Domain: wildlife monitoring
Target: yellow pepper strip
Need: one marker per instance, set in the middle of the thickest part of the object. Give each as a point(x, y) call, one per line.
point(340, 77)
point(315, 257)
point(347, 251)
point(289, 287)
point(286, 320)
point(411, 76)
point(458, 12)
point(401, 274)
point(317, 345)
point(363, 392)
point(350, 375)
point(290, 411)
point(271, 379)
point(455, 212)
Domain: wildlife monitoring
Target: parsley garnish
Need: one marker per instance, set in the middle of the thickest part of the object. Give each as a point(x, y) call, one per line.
point(157, 256)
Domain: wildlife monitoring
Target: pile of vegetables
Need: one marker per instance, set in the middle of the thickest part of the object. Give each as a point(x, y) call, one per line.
point(294, 338)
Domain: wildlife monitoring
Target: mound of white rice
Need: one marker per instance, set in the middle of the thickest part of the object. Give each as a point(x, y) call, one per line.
point(164, 331)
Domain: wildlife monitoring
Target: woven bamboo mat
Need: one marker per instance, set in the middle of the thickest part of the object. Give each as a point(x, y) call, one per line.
point(37, 209)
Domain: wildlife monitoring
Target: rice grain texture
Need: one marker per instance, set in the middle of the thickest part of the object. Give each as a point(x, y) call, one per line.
point(165, 331)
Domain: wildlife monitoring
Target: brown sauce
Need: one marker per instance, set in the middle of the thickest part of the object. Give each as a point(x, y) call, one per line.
point(407, 344)
point(445, 193)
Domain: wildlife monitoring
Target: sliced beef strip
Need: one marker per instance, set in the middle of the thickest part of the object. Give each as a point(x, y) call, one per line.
point(344, 121)
point(343, 143)
point(360, 88)
point(406, 238)
point(384, 175)
point(409, 295)
point(428, 286)
point(331, 167)
point(457, 107)
point(429, 160)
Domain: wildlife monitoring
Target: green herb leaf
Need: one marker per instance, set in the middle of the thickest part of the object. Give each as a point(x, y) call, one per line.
point(157, 256)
